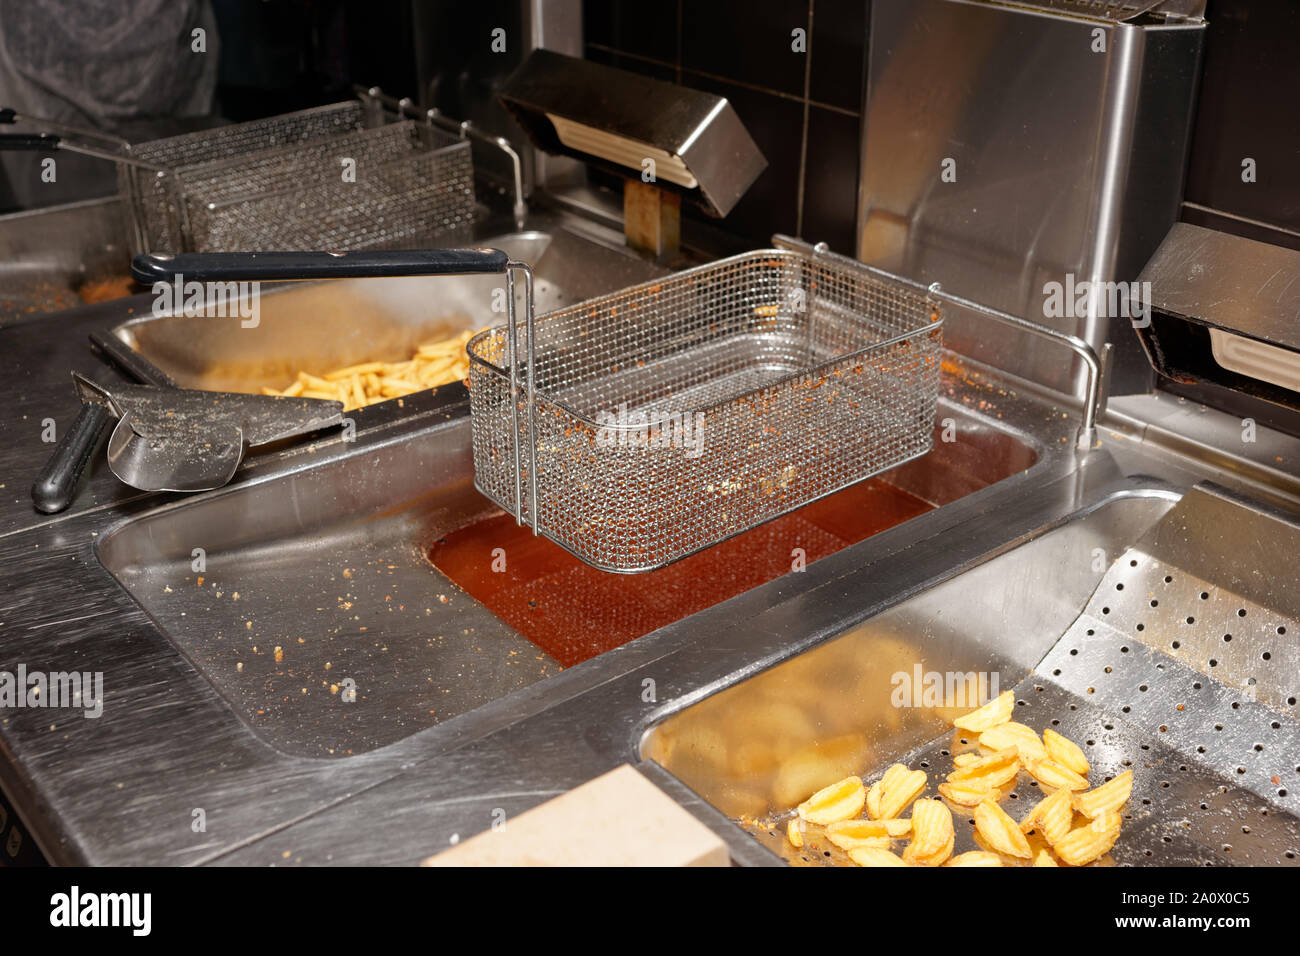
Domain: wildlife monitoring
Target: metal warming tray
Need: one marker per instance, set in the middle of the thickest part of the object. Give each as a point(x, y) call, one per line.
point(646, 425)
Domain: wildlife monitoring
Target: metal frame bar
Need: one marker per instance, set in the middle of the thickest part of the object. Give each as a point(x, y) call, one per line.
point(1094, 402)
point(434, 117)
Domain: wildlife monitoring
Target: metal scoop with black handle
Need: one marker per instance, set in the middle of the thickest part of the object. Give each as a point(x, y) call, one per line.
point(181, 439)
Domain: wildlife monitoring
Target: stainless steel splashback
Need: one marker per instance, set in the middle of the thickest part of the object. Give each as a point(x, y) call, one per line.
point(1005, 149)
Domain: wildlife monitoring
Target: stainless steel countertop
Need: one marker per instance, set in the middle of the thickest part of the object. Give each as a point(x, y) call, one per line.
point(124, 788)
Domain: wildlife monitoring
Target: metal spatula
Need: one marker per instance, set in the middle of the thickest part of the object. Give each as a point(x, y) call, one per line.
point(175, 439)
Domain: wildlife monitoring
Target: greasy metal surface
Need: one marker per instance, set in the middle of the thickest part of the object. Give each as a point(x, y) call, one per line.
point(46, 254)
point(1181, 813)
point(762, 746)
point(340, 583)
point(683, 411)
point(1213, 766)
point(315, 584)
point(123, 788)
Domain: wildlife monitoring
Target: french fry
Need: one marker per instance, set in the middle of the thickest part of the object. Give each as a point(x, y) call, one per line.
point(931, 828)
point(1000, 832)
point(873, 856)
point(794, 832)
point(975, 858)
point(1052, 775)
point(962, 760)
point(1091, 841)
point(433, 364)
point(1065, 752)
point(1051, 816)
point(1012, 734)
point(339, 374)
point(839, 801)
point(995, 712)
point(850, 834)
point(1109, 796)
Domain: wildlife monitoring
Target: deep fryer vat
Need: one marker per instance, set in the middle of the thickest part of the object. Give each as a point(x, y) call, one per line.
point(672, 415)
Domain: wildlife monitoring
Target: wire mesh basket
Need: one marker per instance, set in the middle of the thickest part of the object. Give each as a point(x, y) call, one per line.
point(332, 177)
point(641, 427)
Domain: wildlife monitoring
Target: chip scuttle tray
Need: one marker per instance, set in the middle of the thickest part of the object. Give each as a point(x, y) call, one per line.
point(643, 426)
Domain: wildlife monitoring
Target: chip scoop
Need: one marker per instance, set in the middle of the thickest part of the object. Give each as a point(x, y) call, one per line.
point(174, 439)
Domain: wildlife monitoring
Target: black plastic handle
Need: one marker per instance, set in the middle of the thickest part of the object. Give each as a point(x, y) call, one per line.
point(272, 266)
point(56, 484)
point(45, 142)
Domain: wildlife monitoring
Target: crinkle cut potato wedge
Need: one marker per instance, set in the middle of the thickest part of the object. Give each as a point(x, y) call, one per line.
point(1045, 859)
point(967, 795)
point(1052, 775)
point(1065, 752)
point(988, 772)
point(1011, 734)
point(890, 795)
point(1109, 796)
point(975, 858)
point(850, 834)
point(1051, 816)
point(996, 711)
point(870, 856)
point(1090, 842)
point(1000, 832)
point(794, 832)
point(840, 801)
point(932, 828)
point(937, 859)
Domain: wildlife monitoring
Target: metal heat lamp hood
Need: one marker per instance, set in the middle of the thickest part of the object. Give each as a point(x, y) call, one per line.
point(615, 120)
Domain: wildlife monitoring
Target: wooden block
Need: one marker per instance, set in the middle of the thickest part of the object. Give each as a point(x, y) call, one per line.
point(652, 219)
point(618, 819)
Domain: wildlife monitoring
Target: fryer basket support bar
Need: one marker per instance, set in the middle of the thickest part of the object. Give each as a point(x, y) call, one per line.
point(1094, 404)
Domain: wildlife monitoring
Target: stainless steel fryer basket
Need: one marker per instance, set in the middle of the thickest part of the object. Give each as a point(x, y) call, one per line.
point(670, 416)
point(278, 183)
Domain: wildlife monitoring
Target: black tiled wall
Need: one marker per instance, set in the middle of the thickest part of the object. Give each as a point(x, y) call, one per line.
point(802, 108)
